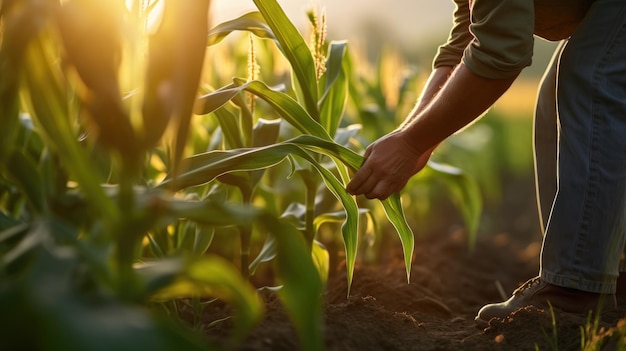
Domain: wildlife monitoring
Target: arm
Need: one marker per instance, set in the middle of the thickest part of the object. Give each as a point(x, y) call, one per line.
point(396, 157)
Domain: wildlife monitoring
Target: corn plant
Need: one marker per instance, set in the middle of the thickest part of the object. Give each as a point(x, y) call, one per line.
point(313, 107)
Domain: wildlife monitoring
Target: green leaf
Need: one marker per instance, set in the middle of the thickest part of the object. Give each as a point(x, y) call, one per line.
point(205, 277)
point(252, 22)
point(47, 101)
point(268, 253)
point(222, 214)
point(203, 168)
point(266, 132)
point(288, 108)
point(313, 143)
point(24, 173)
point(301, 293)
point(210, 102)
point(295, 50)
point(48, 302)
point(395, 214)
point(465, 193)
point(194, 239)
point(230, 128)
point(321, 259)
point(332, 103)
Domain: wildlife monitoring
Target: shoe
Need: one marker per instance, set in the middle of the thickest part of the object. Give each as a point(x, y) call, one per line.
point(538, 293)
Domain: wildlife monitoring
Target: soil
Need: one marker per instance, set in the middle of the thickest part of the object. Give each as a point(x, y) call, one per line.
point(434, 311)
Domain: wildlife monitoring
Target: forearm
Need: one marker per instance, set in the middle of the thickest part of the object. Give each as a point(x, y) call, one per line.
point(463, 98)
point(436, 80)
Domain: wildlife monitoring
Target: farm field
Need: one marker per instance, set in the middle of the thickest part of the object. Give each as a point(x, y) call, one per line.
point(435, 311)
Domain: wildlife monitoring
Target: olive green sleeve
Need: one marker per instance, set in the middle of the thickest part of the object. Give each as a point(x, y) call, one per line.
point(493, 38)
point(450, 53)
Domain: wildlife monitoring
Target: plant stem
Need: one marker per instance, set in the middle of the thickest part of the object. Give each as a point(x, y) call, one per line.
point(311, 185)
point(245, 234)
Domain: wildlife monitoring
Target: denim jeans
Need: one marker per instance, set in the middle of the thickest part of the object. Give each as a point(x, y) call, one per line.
point(580, 154)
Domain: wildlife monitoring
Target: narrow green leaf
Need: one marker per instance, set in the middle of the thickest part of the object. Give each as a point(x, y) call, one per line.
point(202, 240)
point(252, 22)
point(295, 50)
point(205, 277)
point(203, 168)
point(321, 259)
point(49, 108)
point(268, 252)
point(194, 239)
point(465, 193)
point(349, 229)
point(230, 128)
point(210, 102)
point(288, 108)
point(265, 132)
point(395, 214)
point(332, 103)
point(301, 293)
point(221, 214)
point(24, 173)
point(313, 143)
point(246, 118)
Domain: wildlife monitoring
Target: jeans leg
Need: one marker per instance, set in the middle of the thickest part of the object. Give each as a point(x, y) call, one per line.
point(545, 141)
point(585, 234)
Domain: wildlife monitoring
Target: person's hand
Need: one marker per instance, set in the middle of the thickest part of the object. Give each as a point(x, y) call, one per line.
point(388, 164)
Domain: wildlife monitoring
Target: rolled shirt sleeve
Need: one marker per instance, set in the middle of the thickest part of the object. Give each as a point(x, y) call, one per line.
point(493, 38)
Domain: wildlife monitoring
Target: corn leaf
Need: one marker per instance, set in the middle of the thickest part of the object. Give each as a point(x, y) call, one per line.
point(295, 50)
point(210, 102)
point(268, 252)
point(252, 22)
point(23, 171)
point(464, 191)
point(71, 319)
point(332, 103)
point(321, 260)
point(266, 132)
point(209, 276)
point(203, 168)
point(313, 143)
point(194, 240)
point(288, 108)
point(301, 282)
point(230, 128)
point(49, 108)
point(395, 214)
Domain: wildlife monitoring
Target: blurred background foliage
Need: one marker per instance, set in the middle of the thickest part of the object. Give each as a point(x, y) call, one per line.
point(154, 164)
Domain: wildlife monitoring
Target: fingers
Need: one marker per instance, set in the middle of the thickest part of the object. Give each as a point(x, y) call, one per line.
point(388, 164)
point(367, 153)
point(374, 185)
point(356, 185)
